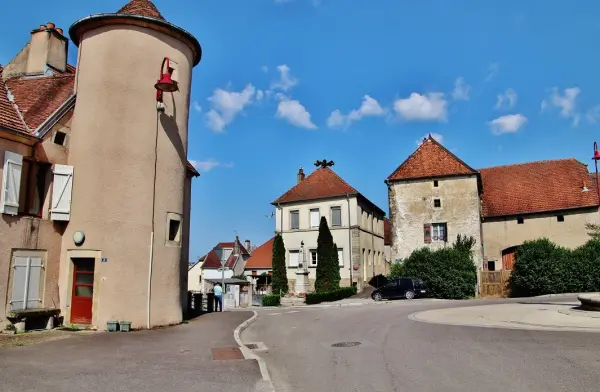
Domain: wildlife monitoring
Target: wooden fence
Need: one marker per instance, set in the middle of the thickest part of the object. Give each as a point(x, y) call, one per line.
point(494, 284)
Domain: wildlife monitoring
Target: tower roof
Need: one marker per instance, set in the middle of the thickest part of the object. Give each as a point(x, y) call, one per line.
point(430, 160)
point(142, 8)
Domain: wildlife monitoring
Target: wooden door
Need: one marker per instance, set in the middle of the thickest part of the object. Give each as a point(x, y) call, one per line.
point(508, 258)
point(83, 291)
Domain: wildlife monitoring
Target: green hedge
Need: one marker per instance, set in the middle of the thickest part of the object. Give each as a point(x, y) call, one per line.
point(341, 293)
point(271, 300)
point(447, 273)
point(542, 267)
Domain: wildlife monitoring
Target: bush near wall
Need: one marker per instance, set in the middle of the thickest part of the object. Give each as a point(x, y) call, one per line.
point(542, 267)
point(448, 273)
point(271, 300)
point(341, 293)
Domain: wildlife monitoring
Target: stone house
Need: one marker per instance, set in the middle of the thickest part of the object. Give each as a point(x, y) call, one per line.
point(356, 225)
point(434, 196)
point(86, 232)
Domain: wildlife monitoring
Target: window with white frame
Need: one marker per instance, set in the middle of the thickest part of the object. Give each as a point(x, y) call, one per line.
point(27, 280)
point(294, 257)
point(438, 232)
point(314, 218)
point(312, 261)
point(340, 257)
point(336, 216)
point(294, 220)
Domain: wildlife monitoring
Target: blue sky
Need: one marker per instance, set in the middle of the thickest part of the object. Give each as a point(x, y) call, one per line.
point(285, 82)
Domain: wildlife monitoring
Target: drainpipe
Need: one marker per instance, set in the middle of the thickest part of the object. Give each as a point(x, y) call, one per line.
point(151, 256)
point(349, 237)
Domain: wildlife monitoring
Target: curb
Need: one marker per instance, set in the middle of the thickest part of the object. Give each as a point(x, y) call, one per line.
point(248, 354)
point(561, 295)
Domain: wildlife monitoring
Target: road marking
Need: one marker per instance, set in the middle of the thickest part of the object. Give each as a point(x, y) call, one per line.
point(277, 313)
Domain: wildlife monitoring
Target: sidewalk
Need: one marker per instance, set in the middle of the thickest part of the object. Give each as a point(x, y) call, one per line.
point(542, 315)
point(169, 359)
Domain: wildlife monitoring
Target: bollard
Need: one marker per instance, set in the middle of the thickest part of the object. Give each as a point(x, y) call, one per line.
point(210, 302)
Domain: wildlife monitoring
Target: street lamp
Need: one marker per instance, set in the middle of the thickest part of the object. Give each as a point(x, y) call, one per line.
point(596, 157)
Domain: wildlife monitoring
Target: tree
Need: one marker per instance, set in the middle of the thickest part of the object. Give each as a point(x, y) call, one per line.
point(279, 282)
point(397, 271)
point(464, 243)
point(593, 230)
point(328, 270)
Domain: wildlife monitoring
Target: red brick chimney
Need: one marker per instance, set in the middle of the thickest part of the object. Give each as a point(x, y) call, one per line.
point(300, 175)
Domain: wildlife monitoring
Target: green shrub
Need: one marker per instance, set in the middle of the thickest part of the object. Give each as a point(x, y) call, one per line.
point(271, 300)
point(448, 273)
point(541, 267)
point(396, 271)
point(341, 293)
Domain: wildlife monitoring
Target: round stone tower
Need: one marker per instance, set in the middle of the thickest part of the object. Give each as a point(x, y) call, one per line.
point(123, 249)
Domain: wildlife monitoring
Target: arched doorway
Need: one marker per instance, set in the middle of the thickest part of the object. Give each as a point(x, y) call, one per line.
point(508, 257)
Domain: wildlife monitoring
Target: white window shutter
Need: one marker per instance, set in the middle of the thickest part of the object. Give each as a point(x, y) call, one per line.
point(11, 183)
point(341, 257)
point(314, 218)
point(19, 289)
point(294, 259)
point(61, 193)
point(34, 291)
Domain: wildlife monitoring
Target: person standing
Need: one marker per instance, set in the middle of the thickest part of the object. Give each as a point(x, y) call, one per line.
point(218, 290)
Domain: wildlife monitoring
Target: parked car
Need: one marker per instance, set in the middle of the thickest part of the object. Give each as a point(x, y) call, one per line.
point(400, 288)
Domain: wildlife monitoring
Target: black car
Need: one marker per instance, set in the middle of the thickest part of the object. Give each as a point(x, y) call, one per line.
point(400, 288)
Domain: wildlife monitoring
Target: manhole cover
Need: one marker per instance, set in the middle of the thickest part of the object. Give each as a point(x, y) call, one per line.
point(345, 344)
point(252, 346)
point(226, 353)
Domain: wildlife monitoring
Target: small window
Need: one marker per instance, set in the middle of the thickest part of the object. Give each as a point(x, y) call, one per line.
point(313, 258)
point(437, 203)
point(60, 138)
point(173, 229)
point(560, 218)
point(336, 216)
point(314, 218)
point(436, 183)
point(294, 220)
point(520, 220)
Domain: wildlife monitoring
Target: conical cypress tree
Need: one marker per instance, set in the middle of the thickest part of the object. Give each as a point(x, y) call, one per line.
point(336, 268)
point(327, 266)
point(279, 282)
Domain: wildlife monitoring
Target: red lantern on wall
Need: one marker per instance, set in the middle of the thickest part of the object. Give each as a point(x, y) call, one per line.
point(355, 267)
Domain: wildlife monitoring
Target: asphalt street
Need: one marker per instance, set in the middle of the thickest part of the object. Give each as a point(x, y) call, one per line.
point(399, 354)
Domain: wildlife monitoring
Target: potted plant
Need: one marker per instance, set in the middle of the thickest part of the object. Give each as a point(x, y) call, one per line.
point(125, 326)
point(111, 326)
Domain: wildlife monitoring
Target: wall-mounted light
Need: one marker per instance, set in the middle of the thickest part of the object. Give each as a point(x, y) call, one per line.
point(78, 238)
point(165, 81)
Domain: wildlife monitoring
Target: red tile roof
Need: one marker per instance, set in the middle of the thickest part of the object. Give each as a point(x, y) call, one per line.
point(9, 117)
point(320, 184)
point(536, 187)
point(262, 257)
point(39, 97)
point(430, 160)
point(142, 8)
point(211, 259)
point(387, 232)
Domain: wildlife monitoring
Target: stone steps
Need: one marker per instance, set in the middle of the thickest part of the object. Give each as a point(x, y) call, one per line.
point(292, 301)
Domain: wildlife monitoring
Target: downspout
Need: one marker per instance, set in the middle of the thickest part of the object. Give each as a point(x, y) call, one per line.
point(349, 237)
point(151, 257)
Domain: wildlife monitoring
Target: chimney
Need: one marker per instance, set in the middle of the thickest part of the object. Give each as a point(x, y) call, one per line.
point(236, 245)
point(300, 175)
point(48, 47)
point(247, 246)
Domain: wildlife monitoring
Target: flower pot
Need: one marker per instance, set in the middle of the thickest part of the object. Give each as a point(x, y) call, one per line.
point(125, 326)
point(111, 326)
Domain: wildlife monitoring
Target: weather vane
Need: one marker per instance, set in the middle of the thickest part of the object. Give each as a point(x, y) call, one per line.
point(324, 163)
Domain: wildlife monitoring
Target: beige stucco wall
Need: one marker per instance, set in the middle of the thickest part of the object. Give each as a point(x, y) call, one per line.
point(411, 206)
point(505, 232)
point(360, 229)
point(112, 151)
point(27, 233)
point(49, 151)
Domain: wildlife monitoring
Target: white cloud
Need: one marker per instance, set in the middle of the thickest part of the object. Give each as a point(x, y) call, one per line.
point(507, 100)
point(461, 90)
point(286, 80)
point(417, 107)
point(593, 115)
point(510, 123)
point(436, 136)
point(368, 107)
point(209, 164)
point(295, 113)
point(226, 105)
point(565, 102)
point(492, 71)
point(197, 106)
point(259, 95)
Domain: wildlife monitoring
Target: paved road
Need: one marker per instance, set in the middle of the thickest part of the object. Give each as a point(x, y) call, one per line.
point(398, 354)
point(171, 359)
